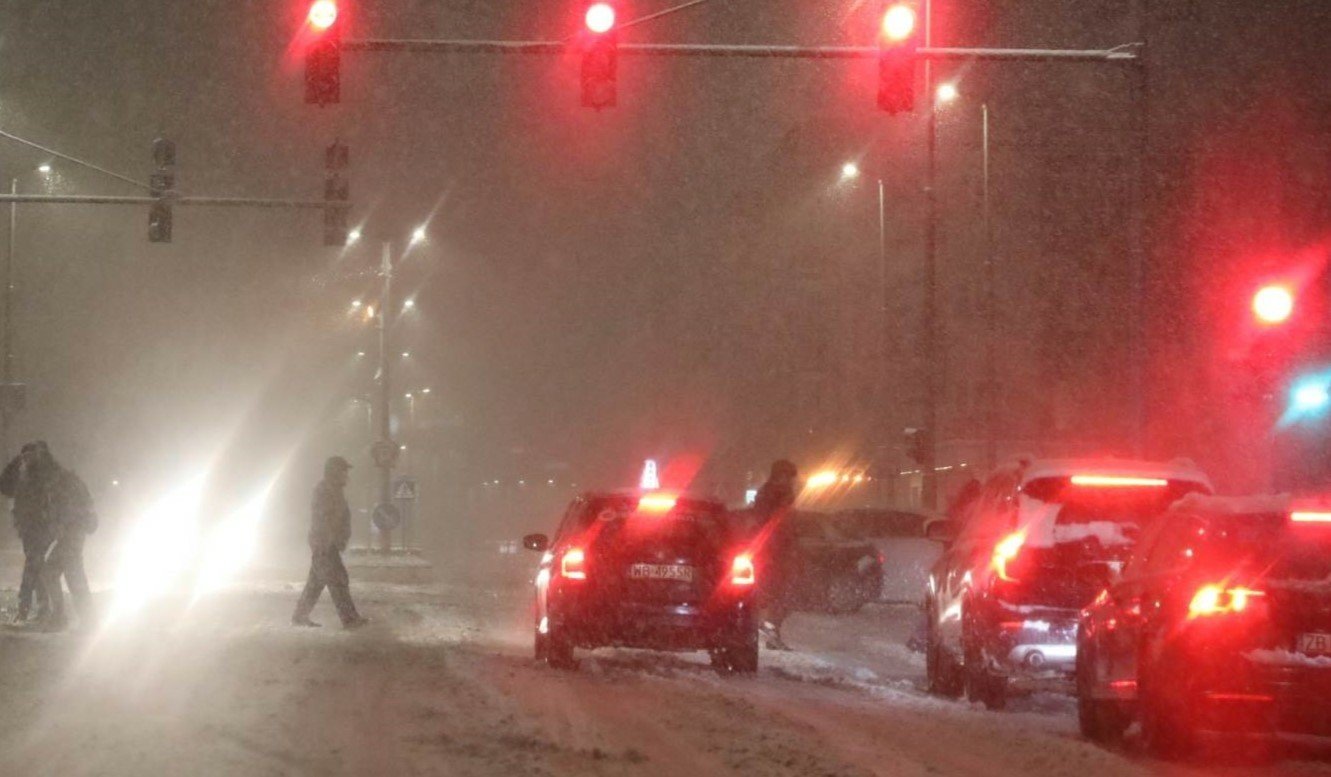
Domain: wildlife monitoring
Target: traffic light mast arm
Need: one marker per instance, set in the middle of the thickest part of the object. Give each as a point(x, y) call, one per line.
point(100, 199)
point(1124, 53)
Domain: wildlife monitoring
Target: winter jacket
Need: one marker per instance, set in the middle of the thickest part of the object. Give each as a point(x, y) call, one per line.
point(330, 518)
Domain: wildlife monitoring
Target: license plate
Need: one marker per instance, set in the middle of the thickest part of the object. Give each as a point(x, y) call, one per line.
point(661, 572)
point(1315, 644)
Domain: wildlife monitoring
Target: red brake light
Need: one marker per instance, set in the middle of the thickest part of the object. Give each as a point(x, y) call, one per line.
point(1005, 552)
point(1219, 600)
point(657, 503)
point(742, 571)
point(1308, 516)
point(323, 14)
point(1118, 481)
point(573, 565)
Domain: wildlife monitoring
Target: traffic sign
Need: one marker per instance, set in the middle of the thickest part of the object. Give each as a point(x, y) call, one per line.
point(385, 453)
point(404, 489)
point(386, 517)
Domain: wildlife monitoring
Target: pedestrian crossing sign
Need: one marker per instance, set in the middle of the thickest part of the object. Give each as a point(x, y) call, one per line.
point(405, 489)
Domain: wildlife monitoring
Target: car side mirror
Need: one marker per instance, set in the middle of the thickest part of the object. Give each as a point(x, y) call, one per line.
point(536, 542)
point(943, 530)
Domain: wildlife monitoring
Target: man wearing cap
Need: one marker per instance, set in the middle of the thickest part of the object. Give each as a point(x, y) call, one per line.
point(330, 531)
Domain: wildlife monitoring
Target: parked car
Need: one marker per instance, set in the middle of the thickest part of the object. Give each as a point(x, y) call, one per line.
point(1221, 622)
point(898, 536)
point(647, 570)
point(1039, 543)
point(838, 573)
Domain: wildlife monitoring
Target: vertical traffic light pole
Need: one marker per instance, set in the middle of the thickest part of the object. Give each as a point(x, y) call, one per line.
point(7, 410)
point(933, 362)
point(385, 462)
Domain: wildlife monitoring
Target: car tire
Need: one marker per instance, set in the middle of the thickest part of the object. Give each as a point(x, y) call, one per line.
point(982, 686)
point(559, 650)
point(943, 675)
point(844, 596)
point(1100, 720)
point(1166, 732)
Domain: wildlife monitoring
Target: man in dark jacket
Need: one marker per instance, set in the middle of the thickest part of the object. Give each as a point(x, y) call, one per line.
point(330, 531)
point(26, 480)
point(72, 519)
point(780, 575)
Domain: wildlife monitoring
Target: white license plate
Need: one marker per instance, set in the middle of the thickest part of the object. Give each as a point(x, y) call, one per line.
point(661, 572)
point(1315, 644)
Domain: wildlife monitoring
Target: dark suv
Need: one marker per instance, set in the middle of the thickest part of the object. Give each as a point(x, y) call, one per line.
point(1221, 623)
point(1041, 540)
point(646, 570)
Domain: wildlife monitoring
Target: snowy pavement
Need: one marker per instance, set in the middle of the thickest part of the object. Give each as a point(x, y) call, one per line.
point(442, 683)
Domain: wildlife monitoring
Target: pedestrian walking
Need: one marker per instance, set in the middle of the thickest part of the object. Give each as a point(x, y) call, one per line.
point(330, 531)
point(72, 518)
point(778, 551)
point(24, 480)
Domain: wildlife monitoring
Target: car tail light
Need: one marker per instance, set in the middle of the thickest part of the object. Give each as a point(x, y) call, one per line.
point(742, 571)
point(573, 566)
point(1118, 481)
point(1222, 600)
point(1310, 516)
point(1005, 552)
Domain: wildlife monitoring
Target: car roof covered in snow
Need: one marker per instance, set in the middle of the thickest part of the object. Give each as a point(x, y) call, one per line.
point(1255, 504)
point(1178, 469)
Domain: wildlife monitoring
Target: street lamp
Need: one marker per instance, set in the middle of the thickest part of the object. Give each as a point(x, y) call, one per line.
point(947, 93)
point(418, 236)
point(44, 168)
point(353, 237)
point(850, 171)
point(409, 304)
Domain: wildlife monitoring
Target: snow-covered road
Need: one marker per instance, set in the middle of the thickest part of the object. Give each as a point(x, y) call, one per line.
point(442, 683)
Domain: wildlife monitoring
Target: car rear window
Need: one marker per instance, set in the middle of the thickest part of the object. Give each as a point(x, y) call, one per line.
point(688, 519)
point(1111, 515)
point(1269, 544)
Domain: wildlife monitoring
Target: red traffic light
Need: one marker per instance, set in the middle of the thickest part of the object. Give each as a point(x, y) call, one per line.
point(323, 14)
point(600, 18)
point(898, 23)
point(1273, 304)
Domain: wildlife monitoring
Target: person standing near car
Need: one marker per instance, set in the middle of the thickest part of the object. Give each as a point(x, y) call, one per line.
point(25, 481)
point(72, 518)
point(778, 551)
point(330, 531)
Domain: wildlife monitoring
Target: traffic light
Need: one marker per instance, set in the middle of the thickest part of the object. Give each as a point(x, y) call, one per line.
point(897, 43)
point(1273, 304)
point(917, 445)
point(162, 186)
point(323, 54)
point(337, 191)
point(599, 57)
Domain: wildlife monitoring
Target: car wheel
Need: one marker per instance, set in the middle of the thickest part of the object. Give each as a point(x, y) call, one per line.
point(982, 685)
point(1100, 720)
point(941, 671)
point(559, 650)
point(844, 596)
point(1166, 731)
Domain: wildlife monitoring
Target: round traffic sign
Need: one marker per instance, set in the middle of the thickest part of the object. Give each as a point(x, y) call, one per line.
point(386, 517)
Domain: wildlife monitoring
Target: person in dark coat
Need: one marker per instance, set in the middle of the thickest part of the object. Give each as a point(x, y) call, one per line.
point(72, 519)
point(778, 550)
point(25, 480)
point(330, 531)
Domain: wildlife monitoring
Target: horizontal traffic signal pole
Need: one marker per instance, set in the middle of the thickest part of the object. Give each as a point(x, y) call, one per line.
point(98, 199)
point(1125, 53)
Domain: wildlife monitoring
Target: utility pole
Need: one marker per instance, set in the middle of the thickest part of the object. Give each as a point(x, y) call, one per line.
point(385, 461)
point(990, 303)
point(7, 409)
point(932, 360)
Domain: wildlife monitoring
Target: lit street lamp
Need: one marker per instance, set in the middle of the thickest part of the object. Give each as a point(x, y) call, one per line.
point(418, 236)
point(947, 93)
